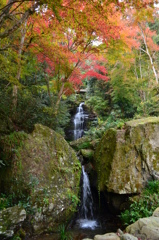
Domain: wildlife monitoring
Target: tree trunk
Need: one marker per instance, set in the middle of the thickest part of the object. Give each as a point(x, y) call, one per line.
point(15, 87)
point(148, 53)
point(16, 24)
point(59, 97)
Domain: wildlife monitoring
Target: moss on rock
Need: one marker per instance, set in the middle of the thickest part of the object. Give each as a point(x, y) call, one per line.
point(10, 221)
point(87, 153)
point(47, 169)
point(126, 159)
point(142, 121)
point(104, 156)
point(83, 143)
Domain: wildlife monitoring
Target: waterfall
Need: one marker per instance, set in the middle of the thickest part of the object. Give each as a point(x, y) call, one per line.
point(87, 200)
point(86, 219)
point(79, 122)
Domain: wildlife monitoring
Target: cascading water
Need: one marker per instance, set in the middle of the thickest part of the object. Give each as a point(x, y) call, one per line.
point(87, 200)
point(86, 210)
point(79, 122)
point(86, 219)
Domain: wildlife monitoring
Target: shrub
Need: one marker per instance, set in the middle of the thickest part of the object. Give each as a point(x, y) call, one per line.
point(143, 205)
point(64, 235)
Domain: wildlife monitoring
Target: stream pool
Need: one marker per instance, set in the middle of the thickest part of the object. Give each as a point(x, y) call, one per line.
point(106, 224)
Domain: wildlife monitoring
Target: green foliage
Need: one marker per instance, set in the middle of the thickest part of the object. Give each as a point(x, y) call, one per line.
point(10, 144)
point(84, 145)
point(114, 102)
point(6, 201)
point(149, 107)
point(143, 205)
point(74, 199)
point(10, 200)
point(99, 106)
point(33, 106)
point(21, 234)
point(152, 187)
point(8, 67)
point(18, 197)
point(16, 238)
point(64, 235)
point(98, 99)
point(111, 122)
point(124, 93)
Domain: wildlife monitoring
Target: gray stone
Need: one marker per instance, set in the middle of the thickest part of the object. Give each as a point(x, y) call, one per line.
point(146, 228)
point(107, 236)
point(128, 236)
point(87, 239)
point(156, 213)
point(11, 219)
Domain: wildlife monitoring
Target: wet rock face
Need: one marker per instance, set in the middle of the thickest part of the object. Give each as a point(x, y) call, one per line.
point(126, 159)
point(48, 171)
point(10, 220)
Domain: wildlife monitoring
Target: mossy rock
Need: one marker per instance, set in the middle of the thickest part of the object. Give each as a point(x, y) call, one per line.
point(87, 153)
point(142, 121)
point(10, 221)
point(126, 159)
point(81, 143)
point(104, 156)
point(46, 168)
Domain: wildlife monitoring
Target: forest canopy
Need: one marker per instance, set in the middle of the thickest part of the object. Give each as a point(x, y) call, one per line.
point(50, 49)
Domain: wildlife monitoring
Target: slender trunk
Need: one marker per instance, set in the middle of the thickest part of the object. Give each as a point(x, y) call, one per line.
point(148, 53)
point(16, 24)
point(59, 97)
point(63, 84)
point(136, 73)
point(48, 89)
point(15, 87)
point(140, 65)
point(142, 92)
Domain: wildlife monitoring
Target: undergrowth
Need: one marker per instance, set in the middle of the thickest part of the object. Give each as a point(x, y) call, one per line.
point(142, 205)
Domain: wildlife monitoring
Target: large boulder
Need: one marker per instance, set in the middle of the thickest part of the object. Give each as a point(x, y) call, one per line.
point(126, 159)
point(46, 170)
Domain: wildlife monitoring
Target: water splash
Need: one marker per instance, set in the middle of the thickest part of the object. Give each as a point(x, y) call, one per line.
point(86, 212)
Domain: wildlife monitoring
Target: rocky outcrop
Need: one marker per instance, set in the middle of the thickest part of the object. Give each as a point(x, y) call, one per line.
point(10, 221)
point(47, 171)
point(126, 159)
point(84, 143)
point(85, 148)
point(146, 228)
point(87, 153)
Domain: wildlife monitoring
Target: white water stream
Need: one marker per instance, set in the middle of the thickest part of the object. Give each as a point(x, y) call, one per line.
point(79, 122)
point(86, 219)
point(86, 212)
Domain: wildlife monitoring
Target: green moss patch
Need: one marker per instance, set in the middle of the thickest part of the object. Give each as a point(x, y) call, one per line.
point(142, 121)
point(104, 157)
